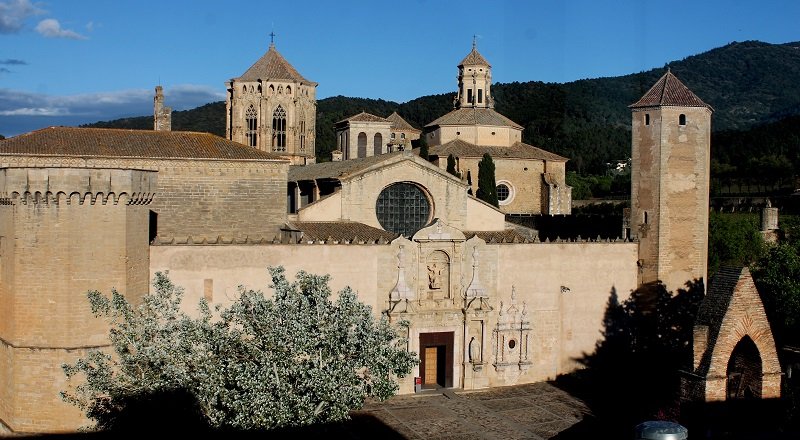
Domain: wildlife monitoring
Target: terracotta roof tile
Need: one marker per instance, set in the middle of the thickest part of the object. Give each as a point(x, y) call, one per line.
point(475, 116)
point(519, 150)
point(669, 91)
point(272, 65)
point(335, 170)
point(474, 57)
point(105, 142)
point(364, 117)
point(398, 123)
point(342, 232)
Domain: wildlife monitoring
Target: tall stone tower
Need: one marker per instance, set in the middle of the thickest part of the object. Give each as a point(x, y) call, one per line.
point(671, 137)
point(273, 108)
point(474, 81)
point(63, 231)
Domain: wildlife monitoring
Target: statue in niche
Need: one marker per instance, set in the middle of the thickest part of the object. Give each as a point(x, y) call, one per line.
point(474, 351)
point(434, 276)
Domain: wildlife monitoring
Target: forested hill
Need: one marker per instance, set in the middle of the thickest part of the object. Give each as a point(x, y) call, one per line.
point(747, 83)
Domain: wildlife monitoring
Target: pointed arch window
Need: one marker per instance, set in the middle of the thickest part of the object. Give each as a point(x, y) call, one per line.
point(279, 129)
point(251, 117)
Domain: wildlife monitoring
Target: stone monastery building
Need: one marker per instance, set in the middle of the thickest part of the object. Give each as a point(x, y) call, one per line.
point(489, 304)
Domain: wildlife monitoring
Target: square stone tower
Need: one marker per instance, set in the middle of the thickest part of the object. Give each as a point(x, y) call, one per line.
point(671, 137)
point(273, 108)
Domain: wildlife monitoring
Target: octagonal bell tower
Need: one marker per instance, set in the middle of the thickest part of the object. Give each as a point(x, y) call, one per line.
point(671, 138)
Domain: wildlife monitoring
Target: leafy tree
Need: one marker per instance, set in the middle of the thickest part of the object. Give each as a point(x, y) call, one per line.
point(733, 239)
point(777, 276)
point(451, 166)
point(296, 359)
point(487, 187)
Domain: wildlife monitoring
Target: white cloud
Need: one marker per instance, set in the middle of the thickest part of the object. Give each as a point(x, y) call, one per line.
point(13, 14)
point(25, 111)
point(51, 28)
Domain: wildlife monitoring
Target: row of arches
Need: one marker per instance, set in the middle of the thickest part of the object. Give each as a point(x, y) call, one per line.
point(363, 143)
point(78, 198)
point(271, 89)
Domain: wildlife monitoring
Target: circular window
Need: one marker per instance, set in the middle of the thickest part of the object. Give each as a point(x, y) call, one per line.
point(512, 343)
point(502, 192)
point(505, 192)
point(403, 208)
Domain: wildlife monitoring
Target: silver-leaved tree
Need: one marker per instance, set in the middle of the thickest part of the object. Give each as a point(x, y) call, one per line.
point(295, 359)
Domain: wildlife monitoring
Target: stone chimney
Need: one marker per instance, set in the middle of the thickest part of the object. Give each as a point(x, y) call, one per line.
point(336, 156)
point(162, 116)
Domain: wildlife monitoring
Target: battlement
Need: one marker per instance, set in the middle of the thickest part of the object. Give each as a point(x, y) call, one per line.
point(76, 186)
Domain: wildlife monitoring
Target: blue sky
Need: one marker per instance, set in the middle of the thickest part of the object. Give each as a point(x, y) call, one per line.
point(65, 62)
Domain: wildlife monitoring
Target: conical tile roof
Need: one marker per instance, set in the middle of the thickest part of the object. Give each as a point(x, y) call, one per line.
point(474, 57)
point(273, 66)
point(669, 91)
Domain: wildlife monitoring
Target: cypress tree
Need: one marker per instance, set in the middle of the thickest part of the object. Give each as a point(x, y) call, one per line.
point(487, 188)
point(423, 148)
point(451, 166)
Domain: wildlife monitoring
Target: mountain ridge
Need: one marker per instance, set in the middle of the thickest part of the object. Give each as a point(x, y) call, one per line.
point(748, 83)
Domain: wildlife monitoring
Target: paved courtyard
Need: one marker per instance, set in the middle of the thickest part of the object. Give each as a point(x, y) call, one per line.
point(534, 411)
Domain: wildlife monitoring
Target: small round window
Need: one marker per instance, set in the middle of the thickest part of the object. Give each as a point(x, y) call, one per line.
point(505, 192)
point(403, 208)
point(512, 343)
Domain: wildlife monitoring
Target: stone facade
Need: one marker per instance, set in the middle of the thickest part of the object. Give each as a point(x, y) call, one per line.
point(561, 289)
point(273, 108)
point(363, 135)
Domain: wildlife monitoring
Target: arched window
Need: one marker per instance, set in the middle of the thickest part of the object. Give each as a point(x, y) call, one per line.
point(377, 144)
point(402, 135)
point(271, 89)
point(682, 119)
point(392, 136)
point(362, 145)
point(403, 208)
point(288, 90)
point(279, 129)
point(251, 117)
point(280, 90)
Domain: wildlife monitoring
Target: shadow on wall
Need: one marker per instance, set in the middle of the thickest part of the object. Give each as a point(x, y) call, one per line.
point(634, 374)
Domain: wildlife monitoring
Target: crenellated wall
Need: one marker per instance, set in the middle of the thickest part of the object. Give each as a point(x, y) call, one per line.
point(64, 231)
